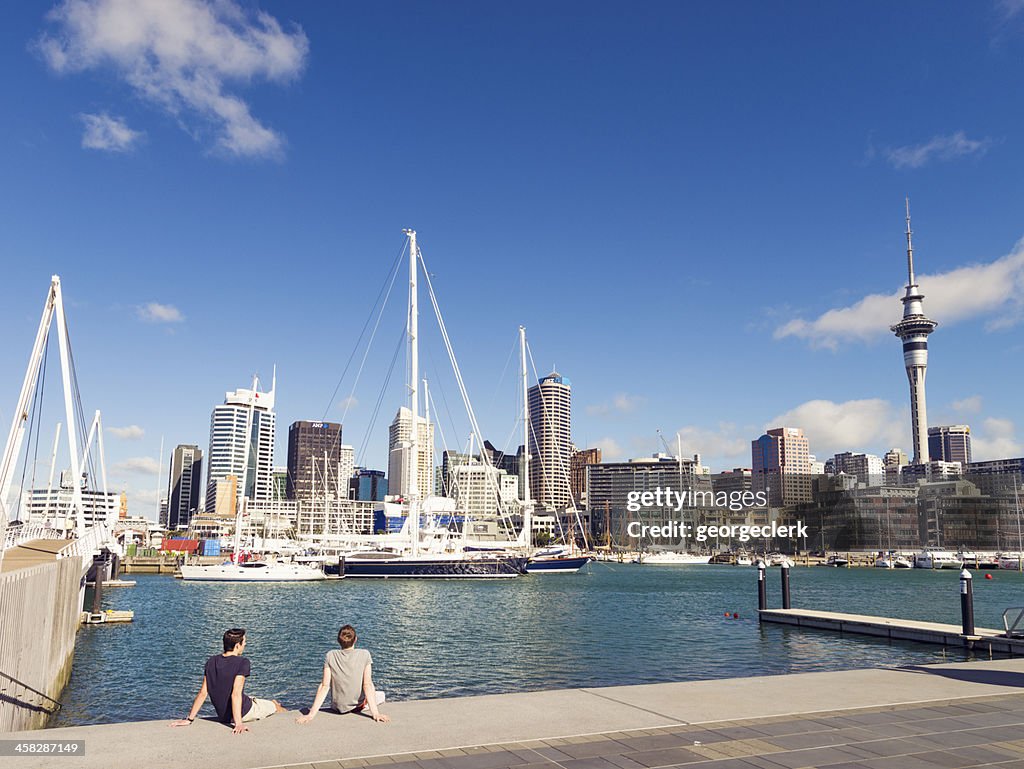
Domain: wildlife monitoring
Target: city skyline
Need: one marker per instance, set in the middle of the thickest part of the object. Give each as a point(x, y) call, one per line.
point(746, 297)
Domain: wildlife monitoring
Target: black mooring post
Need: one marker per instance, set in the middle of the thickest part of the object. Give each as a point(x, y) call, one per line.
point(97, 590)
point(762, 587)
point(785, 585)
point(967, 602)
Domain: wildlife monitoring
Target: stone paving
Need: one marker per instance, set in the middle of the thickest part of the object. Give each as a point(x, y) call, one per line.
point(985, 731)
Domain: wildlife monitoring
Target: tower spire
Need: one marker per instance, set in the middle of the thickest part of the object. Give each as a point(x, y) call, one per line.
point(913, 331)
point(910, 248)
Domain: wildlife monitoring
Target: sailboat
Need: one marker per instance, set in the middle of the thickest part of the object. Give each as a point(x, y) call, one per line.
point(236, 570)
point(413, 555)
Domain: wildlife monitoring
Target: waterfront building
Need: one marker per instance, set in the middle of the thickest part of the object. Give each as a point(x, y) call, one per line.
point(53, 507)
point(510, 463)
point(610, 484)
point(868, 468)
point(998, 476)
point(369, 485)
point(736, 480)
point(578, 463)
point(242, 432)
point(781, 466)
point(478, 488)
point(950, 443)
point(955, 513)
point(315, 461)
point(935, 471)
point(400, 461)
point(549, 404)
point(913, 331)
point(184, 486)
point(817, 468)
point(846, 515)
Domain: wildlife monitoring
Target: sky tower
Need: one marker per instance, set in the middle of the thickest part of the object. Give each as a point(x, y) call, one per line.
point(913, 330)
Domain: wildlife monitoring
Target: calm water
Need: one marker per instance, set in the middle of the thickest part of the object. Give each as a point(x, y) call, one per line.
point(615, 624)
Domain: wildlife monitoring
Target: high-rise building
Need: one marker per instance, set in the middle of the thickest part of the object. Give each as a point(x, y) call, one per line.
point(893, 460)
point(184, 486)
point(247, 456)
point(550, 409)
point(868, 468)
point(610, 486)
point(400, 458)
point(913, 331)
point(950, 443)
point(578, 472)
point(346, 468)
point(369, 485)
point(510, 463)
point(280, 483)
point(315, 461)
point(781, 466)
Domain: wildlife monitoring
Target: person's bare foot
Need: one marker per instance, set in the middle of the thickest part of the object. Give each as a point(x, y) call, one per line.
point(280, 708)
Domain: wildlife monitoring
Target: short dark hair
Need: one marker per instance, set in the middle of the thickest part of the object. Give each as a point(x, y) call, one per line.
point(233, 637)
point(347, 636)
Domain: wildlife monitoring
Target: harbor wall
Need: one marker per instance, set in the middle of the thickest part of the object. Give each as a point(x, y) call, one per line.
point(39, 616)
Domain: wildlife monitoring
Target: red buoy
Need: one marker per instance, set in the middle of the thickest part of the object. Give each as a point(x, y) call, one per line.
point(736, 615)
point(988, 576)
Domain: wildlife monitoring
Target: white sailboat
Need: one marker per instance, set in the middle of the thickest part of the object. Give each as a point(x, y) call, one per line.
point(414, 555)
point(251, 571)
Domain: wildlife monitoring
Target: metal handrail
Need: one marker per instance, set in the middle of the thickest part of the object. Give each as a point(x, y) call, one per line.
point(1016, 627)
point(23, 685)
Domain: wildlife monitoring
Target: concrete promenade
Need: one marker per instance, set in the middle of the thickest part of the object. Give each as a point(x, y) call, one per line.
point(964, 714)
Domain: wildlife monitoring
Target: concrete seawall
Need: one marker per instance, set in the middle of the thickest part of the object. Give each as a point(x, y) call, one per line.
point(856, 713)
point(39, 617)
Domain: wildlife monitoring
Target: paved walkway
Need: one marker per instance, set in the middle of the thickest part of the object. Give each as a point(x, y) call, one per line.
point(966, 714)
point(32, 554)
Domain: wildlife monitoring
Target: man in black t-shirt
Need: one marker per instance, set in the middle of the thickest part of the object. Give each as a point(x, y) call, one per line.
point(223, 679)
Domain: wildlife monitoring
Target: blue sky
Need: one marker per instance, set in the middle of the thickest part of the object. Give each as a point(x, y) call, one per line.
point(671, 197)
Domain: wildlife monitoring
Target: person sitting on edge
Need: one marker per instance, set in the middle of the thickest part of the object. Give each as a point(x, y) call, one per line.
point(348, 676)
point(223, 678)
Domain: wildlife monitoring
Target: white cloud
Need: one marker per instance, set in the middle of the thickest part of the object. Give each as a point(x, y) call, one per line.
point(154, 312)
point(997, 439)
point(131, 432)
point(1010, 8)
point(858, 425)
point(182, 55)
point(611, 451)
point(955, 145)
point(111, 134)
point(137, 466)
point(718, 447)
point(622, 403)
point(348, 402)
point(994, 291)
point(968, 405)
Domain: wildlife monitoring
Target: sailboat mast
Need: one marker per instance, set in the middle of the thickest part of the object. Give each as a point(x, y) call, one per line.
point(412, 333)
point(525, 464)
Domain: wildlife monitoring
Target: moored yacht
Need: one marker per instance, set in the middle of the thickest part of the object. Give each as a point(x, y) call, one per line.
point(935, 558)
point(672, 558)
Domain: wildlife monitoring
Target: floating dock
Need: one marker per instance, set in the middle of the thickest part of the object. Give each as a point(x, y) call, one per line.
point(896, 629)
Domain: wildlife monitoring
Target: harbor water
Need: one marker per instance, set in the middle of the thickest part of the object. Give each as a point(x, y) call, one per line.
point(611, 624)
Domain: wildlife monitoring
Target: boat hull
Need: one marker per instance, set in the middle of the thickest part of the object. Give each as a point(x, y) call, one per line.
point(233, 573)
point(441, 568)
point(569, 565)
